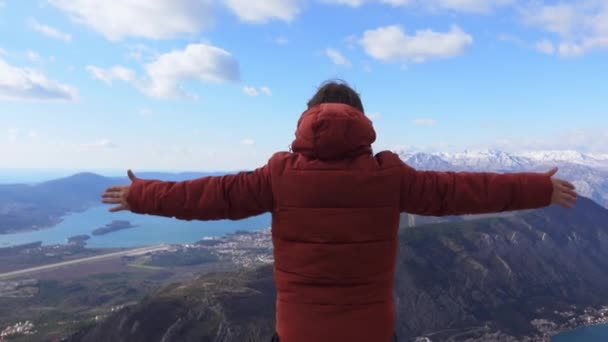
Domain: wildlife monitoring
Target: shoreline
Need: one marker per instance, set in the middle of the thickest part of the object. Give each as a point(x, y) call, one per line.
point(590, 317)
point(86, 245)
point(49, 225)
point(559, 332)
point(575, 319)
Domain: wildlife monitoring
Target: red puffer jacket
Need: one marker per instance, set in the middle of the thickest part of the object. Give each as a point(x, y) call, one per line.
point(335, 214)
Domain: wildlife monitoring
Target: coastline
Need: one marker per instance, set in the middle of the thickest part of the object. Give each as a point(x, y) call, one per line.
point(53, 222)
point(546, 329)
point(50, 223)
point(590, 317)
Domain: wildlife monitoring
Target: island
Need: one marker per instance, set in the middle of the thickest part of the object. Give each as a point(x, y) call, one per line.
point(115, 225)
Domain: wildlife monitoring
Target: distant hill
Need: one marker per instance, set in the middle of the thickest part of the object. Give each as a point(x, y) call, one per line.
point(26, 207)
point(455, 281)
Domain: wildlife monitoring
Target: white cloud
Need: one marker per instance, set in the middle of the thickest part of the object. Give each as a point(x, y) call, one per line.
point(337, 57)
point(398, 3)
point(581, 26)
point(266, 90)
point(13, 135)
point(281, 40)
point(352, 3)
point(391, 43)
point(375, 116)
point(559, 18)
point(424, 121)
point(32, 56)
point(114, 73)
point(571, 49)
point(545, 46)
point(100, 144)
point(253, 91)
point(164, 76)
point(26, 84)
point(248, 142)
point(139, 52)
point(264, 11)
point(200, 62)
point(466, 6)
point(156, 19)
point(49, 31)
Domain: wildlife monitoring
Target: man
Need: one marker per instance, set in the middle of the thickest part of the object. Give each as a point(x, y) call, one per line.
point(335, 214)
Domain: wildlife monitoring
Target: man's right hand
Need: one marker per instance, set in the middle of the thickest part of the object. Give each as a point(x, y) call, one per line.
point(118, 195)
point(564, 192)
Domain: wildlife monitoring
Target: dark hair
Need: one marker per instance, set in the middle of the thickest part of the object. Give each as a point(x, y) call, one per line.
point(336, 91)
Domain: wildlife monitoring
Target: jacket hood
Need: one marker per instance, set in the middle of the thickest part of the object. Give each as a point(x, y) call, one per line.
point(332, 131)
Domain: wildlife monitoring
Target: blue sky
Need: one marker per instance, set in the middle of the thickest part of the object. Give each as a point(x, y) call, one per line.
point(219, 85)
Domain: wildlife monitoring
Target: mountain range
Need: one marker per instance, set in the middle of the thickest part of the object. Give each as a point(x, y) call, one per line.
point(491, 159)
point(26, 207)
point(588, 172)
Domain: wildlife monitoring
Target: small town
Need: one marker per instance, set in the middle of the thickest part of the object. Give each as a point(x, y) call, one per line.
point(20, 328)
point(246, 249)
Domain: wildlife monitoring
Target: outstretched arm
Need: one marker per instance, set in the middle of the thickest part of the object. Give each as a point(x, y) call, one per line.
point(208, 198)
point(457, 193)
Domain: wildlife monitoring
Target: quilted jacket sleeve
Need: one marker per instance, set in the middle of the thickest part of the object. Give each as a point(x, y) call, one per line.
point(208, 198)
point(456, 193)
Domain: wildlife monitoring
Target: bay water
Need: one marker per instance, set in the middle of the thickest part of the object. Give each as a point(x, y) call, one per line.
point(150, 230)
point(595, 333)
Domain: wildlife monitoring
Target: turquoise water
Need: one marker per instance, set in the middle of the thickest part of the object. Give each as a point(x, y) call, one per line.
point(596, 333)
point(151, 229)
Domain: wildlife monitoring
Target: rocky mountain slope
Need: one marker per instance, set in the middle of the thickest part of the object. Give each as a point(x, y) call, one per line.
point(506, 279)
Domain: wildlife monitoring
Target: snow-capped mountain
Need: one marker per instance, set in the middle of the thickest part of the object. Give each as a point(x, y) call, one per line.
point(588, 172)
point(430, 161)
point(495, 159)
point(575, 157)
point(490, 159)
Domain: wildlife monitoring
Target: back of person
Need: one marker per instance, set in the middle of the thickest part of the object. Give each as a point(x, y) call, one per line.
point(334, 230)
point(335, 214)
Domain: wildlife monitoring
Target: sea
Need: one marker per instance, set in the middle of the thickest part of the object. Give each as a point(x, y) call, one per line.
point(595, 333)
point(150, 230)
